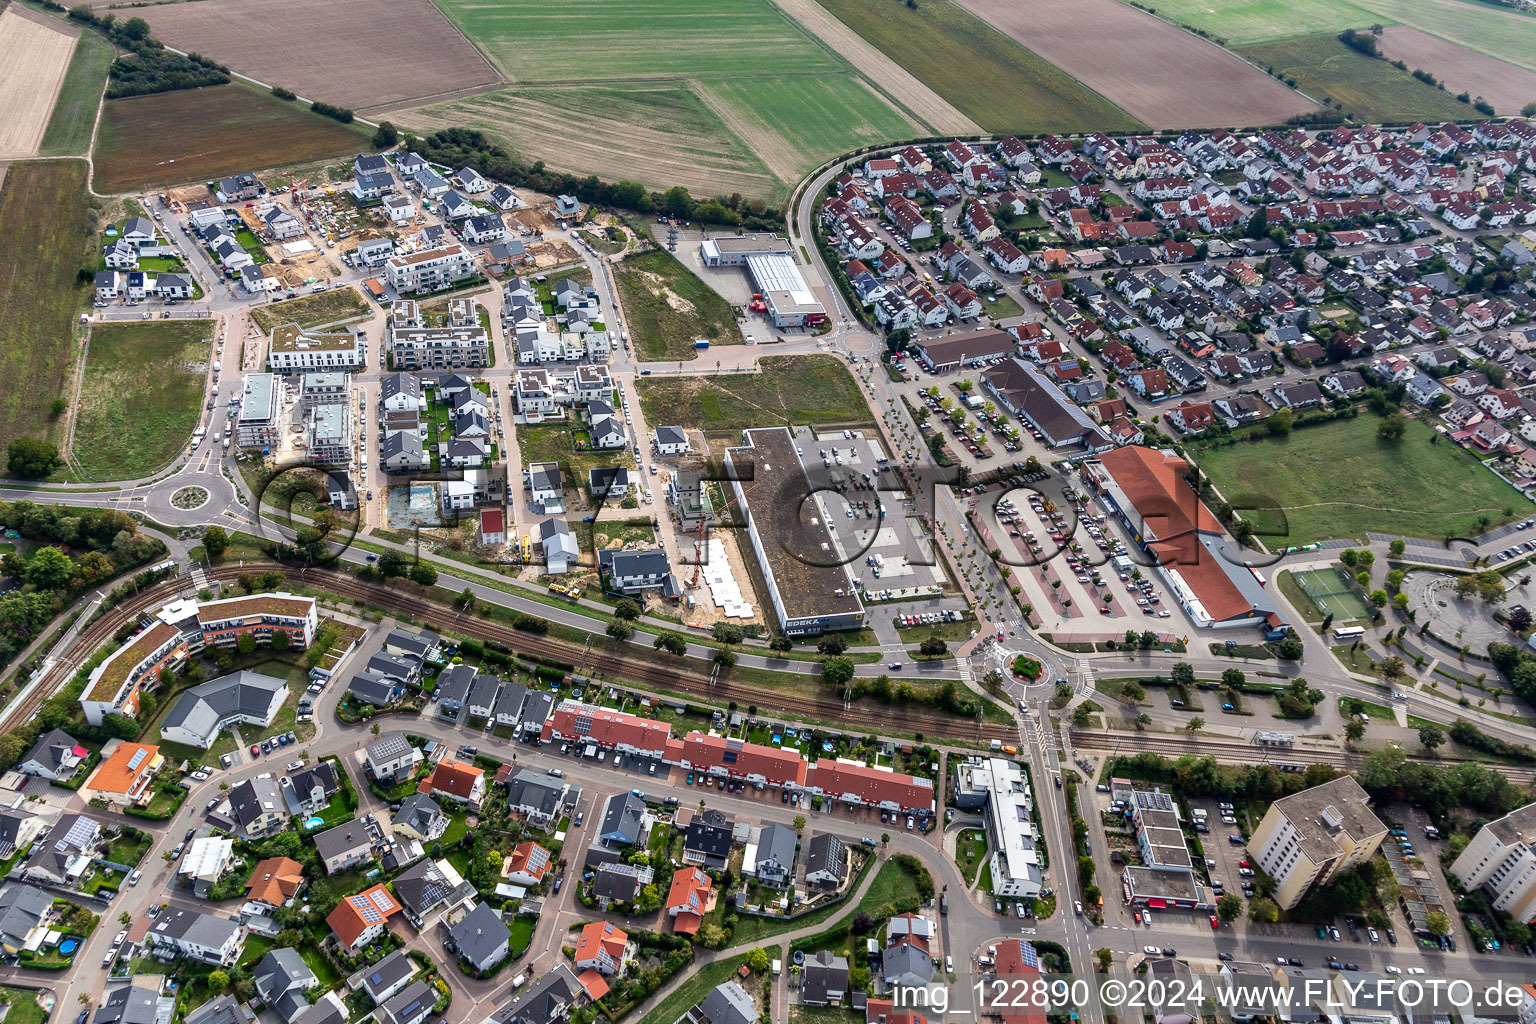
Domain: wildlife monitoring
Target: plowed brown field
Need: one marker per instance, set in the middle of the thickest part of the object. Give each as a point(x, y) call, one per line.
point(353, 53)
point(1504, 85)
point(34, 55)
point(1153, 70)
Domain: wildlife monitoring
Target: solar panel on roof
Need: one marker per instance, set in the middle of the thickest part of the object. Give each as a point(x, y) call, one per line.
point(80, 833)
point(137, 758)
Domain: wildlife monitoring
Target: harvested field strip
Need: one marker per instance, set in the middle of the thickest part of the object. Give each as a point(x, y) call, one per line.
point(657, 133)
point(815, 389)
point(46, 226)
point(889, 77)
point(34, 57)
point(528, 40)
point(354, 53)
point(74, 112)
point(1370, 89)
point(1507, 87)
point(1155, 71)
point(1503, 34)
point(1243, 22)
point(210, 133)
point(988, 77)
point(794, 124)
point(668, 306)
point(140, 399)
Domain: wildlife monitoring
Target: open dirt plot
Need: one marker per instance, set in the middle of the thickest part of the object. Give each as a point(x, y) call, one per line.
point(1151, 69)
point(210, 133)
point(887, 75)
point(814, 389)
point(659, 134)
point(354, 53)
point(34, 56)
point(1499, 32)
point(1507, 87)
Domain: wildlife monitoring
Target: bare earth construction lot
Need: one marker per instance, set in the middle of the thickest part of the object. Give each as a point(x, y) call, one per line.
point(34, 56)
point(1504, 85)
point(1151, 69)
point(354, 53)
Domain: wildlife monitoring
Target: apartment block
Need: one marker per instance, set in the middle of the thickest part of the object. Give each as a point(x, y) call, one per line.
point(1308, 838)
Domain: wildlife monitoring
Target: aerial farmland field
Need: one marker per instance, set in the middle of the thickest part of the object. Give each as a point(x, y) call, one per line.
point(990, 78)
point(795, 124)
point(233, 128)
point(1507, 86)
point(1241, 22)
point(35, 54)
point(1507, 35)
point(46, 225)
point(530, 40)
point(74, 112)
point(1370, 89)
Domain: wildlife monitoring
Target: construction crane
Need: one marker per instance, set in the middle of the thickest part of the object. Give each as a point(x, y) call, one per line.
point(165, 172)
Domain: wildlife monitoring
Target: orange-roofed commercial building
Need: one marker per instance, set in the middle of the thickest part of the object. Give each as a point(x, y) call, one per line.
point(274, 881)
point(575, 722)
point(861, 785)
point(455, 780)
point(600, 947)
point(528, 864)
point(737, 759)
point(689, 899)
point(1145, 489)
point(123, 780)
point(358, 920)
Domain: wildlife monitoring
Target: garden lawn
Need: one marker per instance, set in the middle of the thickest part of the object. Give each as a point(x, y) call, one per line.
point(141, 396)
point(815, 389)
point(693, 991)
point(46, 228)
point(129, 850)
point(1338, 480)
point(1370, 89)
point(668, 307)
point(23, 1007)
point(970, 853)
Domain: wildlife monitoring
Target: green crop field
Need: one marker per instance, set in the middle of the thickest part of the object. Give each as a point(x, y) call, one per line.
point(141, 395)
point(74, 113)
point(813, 389)
point(529, 40)
point(1240, 22)
point(988, 77)
point(47, 226)
point(209, 133)
point(668, 307)
point(1338, 480)
point(1370, 89)
point(795, 124)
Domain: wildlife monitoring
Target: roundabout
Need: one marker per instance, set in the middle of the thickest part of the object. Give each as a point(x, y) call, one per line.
point(190, 497)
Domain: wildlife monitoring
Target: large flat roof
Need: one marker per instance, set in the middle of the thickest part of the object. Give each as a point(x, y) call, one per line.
point(777, 277)
point(293, 338)
point(972, 345)
point(793, 534)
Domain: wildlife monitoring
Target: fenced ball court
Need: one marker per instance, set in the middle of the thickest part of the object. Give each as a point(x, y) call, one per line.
point(1333, 592)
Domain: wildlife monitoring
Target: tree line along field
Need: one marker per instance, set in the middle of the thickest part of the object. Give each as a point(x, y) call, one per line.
point(1369, 89)
point(667, 307)
point(140, 397)
point(210, 133)
point(993, 80)
point(814, 389)
point(1339, 480)
point(47, 224)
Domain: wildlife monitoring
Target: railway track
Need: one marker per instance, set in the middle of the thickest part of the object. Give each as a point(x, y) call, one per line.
point(1233, 752)
point(596, 659)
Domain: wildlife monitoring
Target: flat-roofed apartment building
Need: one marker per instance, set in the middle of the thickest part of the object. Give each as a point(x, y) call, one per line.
point(182, 629)
point(292, 349)
point(429, 270)
point(325, 387)
point(809, 585)
point(1000, 788)
point(1500, 861)
point(328, 434)
point(459, 342)
point(1308, 838)
point(259, 424)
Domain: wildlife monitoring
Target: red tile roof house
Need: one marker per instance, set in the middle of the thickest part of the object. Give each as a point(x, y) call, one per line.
point(1191, 417)
point(528, 864)
point(689, 899)
point(358, 920)
point(908, 218)
point(456, 781)
point(576, 722)
point(600, 947)
point(861, 785)
point(737, 759)
point(1017, 966)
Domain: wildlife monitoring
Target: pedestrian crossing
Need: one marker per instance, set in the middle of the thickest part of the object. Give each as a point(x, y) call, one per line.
point(199, 577)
